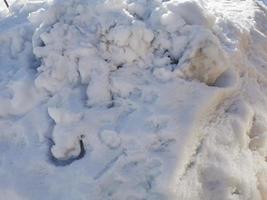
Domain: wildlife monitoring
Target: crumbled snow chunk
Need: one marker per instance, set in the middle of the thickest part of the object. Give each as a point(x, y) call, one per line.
point(119, 35)
point(110, 138)
point(60, 115)
point(172, 21)
point(163, 74)
point(69, 149)
point(98, 91)
point(204, 60)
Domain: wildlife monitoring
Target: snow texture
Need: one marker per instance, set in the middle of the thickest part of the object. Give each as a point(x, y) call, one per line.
point(133, 100)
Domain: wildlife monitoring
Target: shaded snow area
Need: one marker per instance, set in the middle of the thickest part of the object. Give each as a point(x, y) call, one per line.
point(133, 100)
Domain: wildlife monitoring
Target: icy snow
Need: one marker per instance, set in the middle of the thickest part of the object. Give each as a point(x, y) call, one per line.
point(133, 100)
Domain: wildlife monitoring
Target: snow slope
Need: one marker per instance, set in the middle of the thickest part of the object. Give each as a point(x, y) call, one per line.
point(131, 100)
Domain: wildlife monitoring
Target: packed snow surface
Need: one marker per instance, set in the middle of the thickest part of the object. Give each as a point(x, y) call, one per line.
point(133, 100)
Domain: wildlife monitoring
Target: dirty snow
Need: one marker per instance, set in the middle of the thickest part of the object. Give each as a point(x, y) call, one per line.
point(131, 100)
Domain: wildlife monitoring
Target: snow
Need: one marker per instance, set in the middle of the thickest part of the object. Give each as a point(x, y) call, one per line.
point(133, 99)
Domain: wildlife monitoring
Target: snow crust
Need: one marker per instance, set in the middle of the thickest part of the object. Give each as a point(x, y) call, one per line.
point(133, 100)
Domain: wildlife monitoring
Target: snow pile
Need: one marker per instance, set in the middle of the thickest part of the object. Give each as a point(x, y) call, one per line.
point(99, 38)
point(132, 100)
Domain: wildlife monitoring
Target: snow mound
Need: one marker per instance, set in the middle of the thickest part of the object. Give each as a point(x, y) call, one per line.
point(131, 100)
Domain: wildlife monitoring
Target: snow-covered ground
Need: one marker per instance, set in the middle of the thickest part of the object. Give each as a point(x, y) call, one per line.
point(133, 100)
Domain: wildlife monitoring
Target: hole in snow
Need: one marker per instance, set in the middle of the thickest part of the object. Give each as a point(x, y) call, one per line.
point(59, 162)
point(226, 79)
point(119, 66)
point(41, 44)
point(174, 61)
point(236, 191)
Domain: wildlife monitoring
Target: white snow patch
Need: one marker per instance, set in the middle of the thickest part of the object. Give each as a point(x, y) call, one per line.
point(132, 100)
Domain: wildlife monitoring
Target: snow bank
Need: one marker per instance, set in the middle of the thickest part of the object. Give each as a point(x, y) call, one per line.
point(132, 100)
